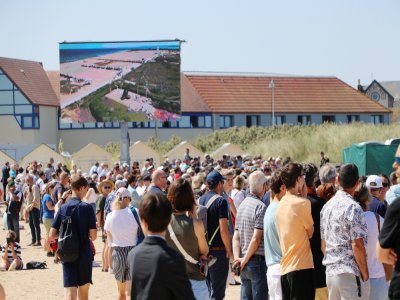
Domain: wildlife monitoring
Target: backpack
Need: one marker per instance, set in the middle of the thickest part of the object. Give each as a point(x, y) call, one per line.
point(68, 243)
point(140, 234)
point(32, 265)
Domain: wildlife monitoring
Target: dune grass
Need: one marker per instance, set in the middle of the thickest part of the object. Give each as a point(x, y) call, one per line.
point(301, 143)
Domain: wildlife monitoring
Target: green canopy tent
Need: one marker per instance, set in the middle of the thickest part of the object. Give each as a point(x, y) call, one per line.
point(371, 158)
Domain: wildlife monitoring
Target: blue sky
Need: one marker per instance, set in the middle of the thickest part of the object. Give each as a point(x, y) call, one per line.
point(349, 39)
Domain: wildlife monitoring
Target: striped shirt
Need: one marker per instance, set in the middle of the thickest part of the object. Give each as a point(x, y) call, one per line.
point(250, 216)
point(17, 249)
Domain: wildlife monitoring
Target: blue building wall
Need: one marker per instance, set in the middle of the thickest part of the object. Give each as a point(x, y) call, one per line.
point(264, 120)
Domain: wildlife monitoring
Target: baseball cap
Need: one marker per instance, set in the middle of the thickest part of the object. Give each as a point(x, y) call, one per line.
point(123, 192)
point(214, 177)
point(374, 182)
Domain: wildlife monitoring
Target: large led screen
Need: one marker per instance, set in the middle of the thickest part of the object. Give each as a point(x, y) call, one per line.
point(120, 81)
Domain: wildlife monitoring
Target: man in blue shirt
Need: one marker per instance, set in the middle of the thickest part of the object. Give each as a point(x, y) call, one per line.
point(78, 274)
point(159, 182)
point(374, 184)
point(218, 235)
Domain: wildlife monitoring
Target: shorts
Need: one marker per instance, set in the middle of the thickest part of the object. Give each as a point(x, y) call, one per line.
point(47, 224)
point(120, 263)
point(79, 272)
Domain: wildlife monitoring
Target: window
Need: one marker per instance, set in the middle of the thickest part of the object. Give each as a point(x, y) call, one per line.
point(194, 121)
point(13, 102)
point(5, 83)
point(280, 120)
point(184, 122)
point(377, 119)
point(328, 119)
point(6, 98)
point(353, 118)
point(304, 119)
point(225, 121)
point(252, 120)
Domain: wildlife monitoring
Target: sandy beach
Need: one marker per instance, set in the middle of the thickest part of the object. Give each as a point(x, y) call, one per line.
point(48, 284)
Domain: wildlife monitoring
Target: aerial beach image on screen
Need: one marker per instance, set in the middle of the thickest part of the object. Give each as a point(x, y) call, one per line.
point(120, 81)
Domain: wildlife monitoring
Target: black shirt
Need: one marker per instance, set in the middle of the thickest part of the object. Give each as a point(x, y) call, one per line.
point(315, 241)
point(389, 237)
point(217, 210)
point(59, 189)
point(14, 207)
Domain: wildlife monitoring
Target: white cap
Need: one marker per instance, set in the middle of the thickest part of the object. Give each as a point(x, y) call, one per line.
point(123, 192)
point(374, 182)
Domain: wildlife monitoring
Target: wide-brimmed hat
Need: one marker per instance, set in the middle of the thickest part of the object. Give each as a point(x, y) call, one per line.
point(108, 181)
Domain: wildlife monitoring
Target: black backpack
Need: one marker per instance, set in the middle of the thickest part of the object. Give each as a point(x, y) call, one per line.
point(32, 265)
point(68, 242)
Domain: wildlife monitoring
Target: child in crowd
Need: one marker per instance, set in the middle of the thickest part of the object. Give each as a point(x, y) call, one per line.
point(11, 254)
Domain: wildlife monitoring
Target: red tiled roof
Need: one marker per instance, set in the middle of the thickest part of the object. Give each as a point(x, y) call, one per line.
point(191, 99)
point(238, 94)
point(31, 79)
point(54, 78)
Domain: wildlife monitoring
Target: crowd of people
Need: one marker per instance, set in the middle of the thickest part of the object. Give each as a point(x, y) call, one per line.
point(184, 229)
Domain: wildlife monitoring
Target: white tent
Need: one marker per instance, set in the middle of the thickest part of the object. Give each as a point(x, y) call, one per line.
point(42, 154)
point(4, 157)
point(179, 151)
point(140, 151)
point(89, 155)
point(227, 148)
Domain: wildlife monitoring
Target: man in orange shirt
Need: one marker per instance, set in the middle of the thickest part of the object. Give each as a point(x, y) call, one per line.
point(295, 228)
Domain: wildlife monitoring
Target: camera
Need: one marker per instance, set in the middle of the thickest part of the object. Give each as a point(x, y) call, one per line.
point(236, 268)
point(9, 241)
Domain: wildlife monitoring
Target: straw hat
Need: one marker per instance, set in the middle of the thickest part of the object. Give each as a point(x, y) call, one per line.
point(108, 181)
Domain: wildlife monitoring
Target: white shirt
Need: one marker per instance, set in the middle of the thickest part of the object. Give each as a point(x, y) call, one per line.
point(123, 228)
point(375, 268)
point(41, 184)
point(91, 196)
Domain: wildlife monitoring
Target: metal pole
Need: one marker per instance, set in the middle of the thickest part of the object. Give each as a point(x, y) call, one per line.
point(272, 87)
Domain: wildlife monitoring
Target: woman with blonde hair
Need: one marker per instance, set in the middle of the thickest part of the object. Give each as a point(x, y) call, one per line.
point(48, 206)
point(238, 193)
point(121, 229)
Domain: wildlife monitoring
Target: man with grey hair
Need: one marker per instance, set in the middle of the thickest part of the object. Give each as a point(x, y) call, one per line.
point(32, 198)
point(248, 244)
point(159, 182)
point(327, 174)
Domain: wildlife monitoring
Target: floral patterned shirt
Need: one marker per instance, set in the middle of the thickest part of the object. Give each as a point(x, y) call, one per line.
point(342, 221)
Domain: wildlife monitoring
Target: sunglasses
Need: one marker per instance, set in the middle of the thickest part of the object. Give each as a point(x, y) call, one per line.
point(107, 187)
point(385, 184)
point(397, 159)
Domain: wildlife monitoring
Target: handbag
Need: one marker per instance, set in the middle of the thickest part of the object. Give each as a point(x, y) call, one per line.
point(202, 266)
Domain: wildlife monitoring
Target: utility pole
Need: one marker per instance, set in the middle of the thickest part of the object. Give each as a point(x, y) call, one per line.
point(272, 87)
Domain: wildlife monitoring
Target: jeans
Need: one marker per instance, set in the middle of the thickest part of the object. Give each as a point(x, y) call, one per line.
point(254, 280)
point(379, 289)
point(344, 287)
point(217, 275)
point(13, 224)
point(34, 224)
point(199, 288)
